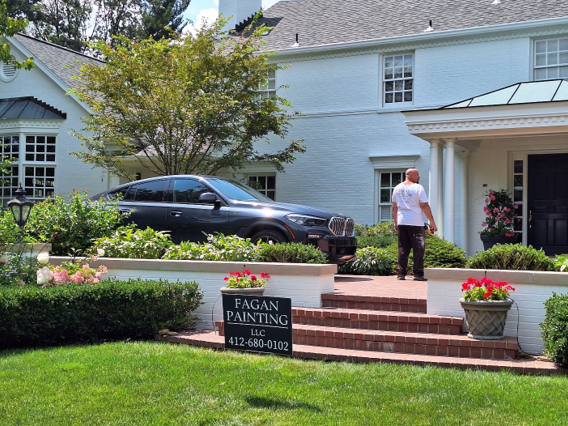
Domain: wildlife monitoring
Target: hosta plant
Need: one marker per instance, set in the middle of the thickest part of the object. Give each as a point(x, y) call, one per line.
point(131, 243)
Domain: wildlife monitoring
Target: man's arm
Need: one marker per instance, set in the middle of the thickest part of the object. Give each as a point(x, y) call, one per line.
point(428, 212)
point(394, 216)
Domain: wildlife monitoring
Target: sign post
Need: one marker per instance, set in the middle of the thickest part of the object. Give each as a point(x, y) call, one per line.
point(258, 323)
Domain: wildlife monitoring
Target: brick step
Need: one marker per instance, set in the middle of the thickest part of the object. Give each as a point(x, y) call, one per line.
point(404, 342)
point(378, 320)
point(401, 342)
point(530, 365)
point(375, 303)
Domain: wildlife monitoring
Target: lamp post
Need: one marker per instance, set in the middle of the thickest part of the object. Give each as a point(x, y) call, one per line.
point(21, 208)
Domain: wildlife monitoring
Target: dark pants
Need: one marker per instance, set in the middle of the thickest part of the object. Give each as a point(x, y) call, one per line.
point(411, 237)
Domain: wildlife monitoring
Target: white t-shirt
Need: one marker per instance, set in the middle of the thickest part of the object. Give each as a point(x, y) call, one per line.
point(408, 198)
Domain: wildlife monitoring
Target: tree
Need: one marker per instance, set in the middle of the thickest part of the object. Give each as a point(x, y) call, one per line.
point(76, 23)
point(9, 27)
point(186, 106)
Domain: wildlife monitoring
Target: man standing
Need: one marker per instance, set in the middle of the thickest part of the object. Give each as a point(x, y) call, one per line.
point(409, 202)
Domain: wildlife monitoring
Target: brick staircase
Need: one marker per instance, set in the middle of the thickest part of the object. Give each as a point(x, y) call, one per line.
point(365, 328)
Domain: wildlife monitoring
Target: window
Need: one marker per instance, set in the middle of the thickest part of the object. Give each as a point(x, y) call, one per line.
point(188, 191)
point(269, 91)
point(150, 191)
point(32, 166)
point(266, 185)
point(551, 59)
point(387, 182)
point(398, 80)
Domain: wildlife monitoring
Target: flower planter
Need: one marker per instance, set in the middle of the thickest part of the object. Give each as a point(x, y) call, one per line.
point(255, 291)
point(490, 240)
point(486, 318)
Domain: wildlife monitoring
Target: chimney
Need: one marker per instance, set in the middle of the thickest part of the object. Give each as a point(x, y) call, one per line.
point(242, 10)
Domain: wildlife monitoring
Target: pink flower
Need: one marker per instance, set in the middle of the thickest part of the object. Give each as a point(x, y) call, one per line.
point(493, 198)
point(495, 210)
point(76, 278)
point(60, 277)
point(483, 224)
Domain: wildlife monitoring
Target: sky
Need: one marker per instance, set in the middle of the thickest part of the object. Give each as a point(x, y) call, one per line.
point(210, 9)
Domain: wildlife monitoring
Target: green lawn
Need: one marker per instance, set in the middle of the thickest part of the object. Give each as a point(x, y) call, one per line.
point(150, 383)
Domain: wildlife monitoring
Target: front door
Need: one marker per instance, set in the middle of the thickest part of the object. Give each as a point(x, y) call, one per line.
point(548, 203)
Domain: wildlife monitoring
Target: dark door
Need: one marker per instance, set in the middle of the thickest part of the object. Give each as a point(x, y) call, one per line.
point(189, 218)
point(548, 202)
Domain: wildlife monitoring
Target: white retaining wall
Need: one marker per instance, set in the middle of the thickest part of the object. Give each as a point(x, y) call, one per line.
point(303, 283)
point(532, 288)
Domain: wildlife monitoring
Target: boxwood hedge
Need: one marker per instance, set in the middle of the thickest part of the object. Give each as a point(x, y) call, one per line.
point(113, 309)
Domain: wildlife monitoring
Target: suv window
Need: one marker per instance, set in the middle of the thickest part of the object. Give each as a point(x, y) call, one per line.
point(149, 191)
point(188, 191)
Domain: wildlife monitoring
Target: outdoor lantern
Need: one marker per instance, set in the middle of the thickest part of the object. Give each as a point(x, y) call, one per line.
point(20, 207)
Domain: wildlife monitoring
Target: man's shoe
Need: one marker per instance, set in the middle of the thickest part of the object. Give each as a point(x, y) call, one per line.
point(401, 277)
point(420, 279)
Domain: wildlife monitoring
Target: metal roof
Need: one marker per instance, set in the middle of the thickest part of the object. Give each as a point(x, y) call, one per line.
point(28, 107)
point(519, 93)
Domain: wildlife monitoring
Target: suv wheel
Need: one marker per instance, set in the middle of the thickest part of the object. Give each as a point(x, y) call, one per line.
point(269, 236)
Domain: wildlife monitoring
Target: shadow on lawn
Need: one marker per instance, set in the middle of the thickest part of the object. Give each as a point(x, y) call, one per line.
point(259, 402)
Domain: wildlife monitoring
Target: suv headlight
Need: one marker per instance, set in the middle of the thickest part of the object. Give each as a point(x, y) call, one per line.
point(302, 219)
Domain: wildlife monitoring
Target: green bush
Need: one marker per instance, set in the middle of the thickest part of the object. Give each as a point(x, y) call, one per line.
point(512, 256)
point(438, 253)
point(370, 261)
point(555, 328)
point(561, 262)
point(131, 243)
point(380, 235)
point(112, 309)
point(290, 253)
point(8, 228)
point(71, 226)
point(18, 268)
point(218, 247)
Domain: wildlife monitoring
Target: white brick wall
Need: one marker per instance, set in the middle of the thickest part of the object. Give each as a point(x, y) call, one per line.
point(532, 289)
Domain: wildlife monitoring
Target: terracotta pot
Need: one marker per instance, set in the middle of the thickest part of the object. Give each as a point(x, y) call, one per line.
point(255, 291)
point(490, 240)
point(486, 318)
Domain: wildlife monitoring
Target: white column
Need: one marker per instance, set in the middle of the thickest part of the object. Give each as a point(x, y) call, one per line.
point(434, 186)
point(440, 204)
point(450, 196)
point(464, 200)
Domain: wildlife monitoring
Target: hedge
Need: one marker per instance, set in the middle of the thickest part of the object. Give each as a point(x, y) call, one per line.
point(555, 328)
point(33, 316)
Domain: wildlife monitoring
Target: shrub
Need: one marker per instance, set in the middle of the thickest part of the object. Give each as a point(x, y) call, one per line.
point(438, 253)
point(18, 267)
point(112, 309)
point(370, 261)
point(512, 256)
point(380, 235)
point(218, 247)
point(561, 262)
point(132, 243)
point(71, 226)
point(290, 253)
point(555, 328)
point(8, 229)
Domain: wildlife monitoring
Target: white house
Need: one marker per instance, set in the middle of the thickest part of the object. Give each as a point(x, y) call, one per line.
point(372, 79)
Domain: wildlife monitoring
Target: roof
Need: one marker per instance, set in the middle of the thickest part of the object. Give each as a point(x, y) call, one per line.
point(323, 22)
point(28, 107)
point(519, 93)
point(55, 57)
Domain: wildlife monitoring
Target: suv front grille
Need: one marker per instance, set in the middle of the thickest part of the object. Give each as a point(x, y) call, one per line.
point(341, 226)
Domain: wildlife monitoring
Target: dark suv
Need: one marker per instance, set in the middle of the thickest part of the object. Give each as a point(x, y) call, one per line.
point(191, 206)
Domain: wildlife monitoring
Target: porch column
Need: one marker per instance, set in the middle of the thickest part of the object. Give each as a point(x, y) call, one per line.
point(464, 200)
point(450, 196)
point(435, 180)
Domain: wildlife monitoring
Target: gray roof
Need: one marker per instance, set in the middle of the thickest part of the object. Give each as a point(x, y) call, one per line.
point(28, 107)
point(55, 57)
point(322, 22)
point(519, 93)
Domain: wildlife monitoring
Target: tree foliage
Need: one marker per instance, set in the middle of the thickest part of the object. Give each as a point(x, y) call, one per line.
point(8, 27)
point(76, 23)
point(186, 106)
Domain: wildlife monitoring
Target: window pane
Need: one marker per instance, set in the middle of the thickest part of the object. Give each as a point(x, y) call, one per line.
point(552, 72)
point(385, 180)
point(552, 58)
point(540, 74)
point(552, 45)
point(518, 166)
point(540, 46)
point(388, 98)
point(518, 180)
point(151, 191)
point(385, 195)
point(188, 191)
point(398, 97)
point(396, 179)
point(407, 96)
point(518, 195)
